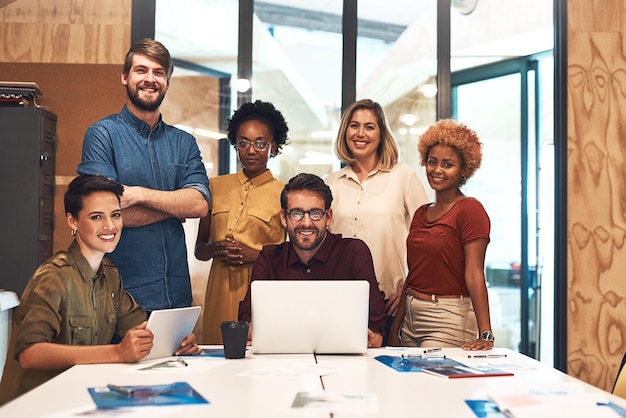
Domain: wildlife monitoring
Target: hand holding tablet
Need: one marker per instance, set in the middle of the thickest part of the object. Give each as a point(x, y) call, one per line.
point(169, 328)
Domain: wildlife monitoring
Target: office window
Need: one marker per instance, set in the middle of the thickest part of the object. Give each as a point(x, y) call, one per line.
point(202, 39)
point(297, 51)
point(397, 67)
point(502, 88)
point(297, 65)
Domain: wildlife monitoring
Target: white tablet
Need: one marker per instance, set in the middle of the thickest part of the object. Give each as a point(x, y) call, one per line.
point(170, 327)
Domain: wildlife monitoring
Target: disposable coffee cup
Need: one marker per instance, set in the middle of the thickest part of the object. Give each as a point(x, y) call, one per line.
point(235, 337)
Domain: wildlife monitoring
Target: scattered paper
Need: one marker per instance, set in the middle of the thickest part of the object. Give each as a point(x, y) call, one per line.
point(337, 403)
point(541, 399)
point(291, 370)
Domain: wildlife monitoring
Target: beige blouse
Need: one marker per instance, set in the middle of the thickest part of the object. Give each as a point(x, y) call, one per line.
point(379, 211)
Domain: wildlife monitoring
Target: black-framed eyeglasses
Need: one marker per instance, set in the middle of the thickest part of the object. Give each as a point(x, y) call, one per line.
point(258, 145)
point(297, 214)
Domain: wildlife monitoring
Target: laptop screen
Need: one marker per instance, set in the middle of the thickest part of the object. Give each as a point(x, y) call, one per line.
point(309, 316)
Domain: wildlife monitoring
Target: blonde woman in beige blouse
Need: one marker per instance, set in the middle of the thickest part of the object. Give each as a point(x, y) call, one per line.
point(375, 195)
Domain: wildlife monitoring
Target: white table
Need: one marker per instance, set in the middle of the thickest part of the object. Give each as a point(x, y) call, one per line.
point(233, 391)
point(432, 396)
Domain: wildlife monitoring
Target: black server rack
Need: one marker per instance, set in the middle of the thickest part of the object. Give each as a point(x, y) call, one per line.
point(27, 187)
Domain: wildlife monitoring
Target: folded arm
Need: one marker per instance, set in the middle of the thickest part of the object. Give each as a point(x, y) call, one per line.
point(142, 206)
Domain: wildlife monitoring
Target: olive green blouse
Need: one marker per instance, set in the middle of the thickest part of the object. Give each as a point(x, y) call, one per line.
point(66, 303)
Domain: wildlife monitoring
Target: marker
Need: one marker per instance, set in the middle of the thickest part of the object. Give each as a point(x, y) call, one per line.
point(121, 389)
point(431, 350)
point(487, 356)
point(181, 361)
point(408, 356)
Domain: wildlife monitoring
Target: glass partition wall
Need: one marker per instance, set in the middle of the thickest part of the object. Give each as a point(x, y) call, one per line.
point(297, 53)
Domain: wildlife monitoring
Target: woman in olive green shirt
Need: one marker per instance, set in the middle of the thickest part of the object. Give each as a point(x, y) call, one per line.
point(75, 301)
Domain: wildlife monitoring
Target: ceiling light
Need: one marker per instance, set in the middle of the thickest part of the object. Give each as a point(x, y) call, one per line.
point(242, 85)
point(317, 158)
point(429, 90)
point(464, 7)
point(208, 134)
point(185, 128)
point(323, 134)
point(408, 119)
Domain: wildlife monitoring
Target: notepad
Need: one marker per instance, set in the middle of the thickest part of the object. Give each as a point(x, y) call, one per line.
point(456, 371)
point(170, 327)
point(177, 393)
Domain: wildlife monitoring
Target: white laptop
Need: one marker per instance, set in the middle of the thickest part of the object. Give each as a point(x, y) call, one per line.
point(170, 327)
point(309, 316)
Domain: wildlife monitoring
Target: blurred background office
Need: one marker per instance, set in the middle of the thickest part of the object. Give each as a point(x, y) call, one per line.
point(553, 267)
point(297, 61)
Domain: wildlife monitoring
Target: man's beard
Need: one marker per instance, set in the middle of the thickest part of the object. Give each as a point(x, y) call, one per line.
point(142, 104)
point(311, 244)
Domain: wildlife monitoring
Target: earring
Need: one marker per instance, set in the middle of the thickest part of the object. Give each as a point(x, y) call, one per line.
point(73, 232)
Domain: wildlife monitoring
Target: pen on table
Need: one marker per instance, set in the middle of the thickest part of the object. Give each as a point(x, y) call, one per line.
point(181, 361)
point(121, 389)
point(431, 350)
point(487, 356)
point(407, 356)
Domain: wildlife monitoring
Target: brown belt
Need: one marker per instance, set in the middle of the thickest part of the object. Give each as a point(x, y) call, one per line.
point(424, 296)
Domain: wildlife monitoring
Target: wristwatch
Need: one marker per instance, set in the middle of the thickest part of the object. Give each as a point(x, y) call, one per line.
point(487, 335)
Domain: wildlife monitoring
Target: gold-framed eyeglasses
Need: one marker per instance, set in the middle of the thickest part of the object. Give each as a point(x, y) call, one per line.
point(258, 145)
point(297, 214)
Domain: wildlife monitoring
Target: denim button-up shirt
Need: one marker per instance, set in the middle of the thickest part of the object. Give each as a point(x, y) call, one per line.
point(152, 259)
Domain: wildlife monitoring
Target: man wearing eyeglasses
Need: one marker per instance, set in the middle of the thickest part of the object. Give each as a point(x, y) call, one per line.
point(313, 252)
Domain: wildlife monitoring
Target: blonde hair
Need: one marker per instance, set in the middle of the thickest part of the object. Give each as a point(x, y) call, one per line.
point(458, 136)
point(387, 149)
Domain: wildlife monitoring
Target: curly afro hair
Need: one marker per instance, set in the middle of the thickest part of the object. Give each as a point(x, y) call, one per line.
point(263, 112)
point(457, 135)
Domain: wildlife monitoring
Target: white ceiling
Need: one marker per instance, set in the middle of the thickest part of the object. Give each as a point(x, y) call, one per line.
point(301, 73)
point(401, 13)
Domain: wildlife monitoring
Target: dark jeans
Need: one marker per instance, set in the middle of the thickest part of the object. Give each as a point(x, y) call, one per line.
point(388, 323)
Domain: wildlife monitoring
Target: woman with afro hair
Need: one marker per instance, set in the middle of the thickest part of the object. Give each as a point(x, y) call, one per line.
point(444, 301)
point(244, 214)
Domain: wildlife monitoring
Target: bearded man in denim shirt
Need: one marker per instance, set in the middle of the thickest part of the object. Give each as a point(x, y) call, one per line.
point(164, 181)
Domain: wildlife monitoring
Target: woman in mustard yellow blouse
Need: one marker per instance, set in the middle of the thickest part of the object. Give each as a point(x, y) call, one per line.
point(244, 214)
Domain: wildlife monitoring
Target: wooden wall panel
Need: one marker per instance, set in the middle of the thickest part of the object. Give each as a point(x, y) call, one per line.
point(596, 190)
point(79, 95)
point(74, 50)
point(65, 31)
point(39, 41)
